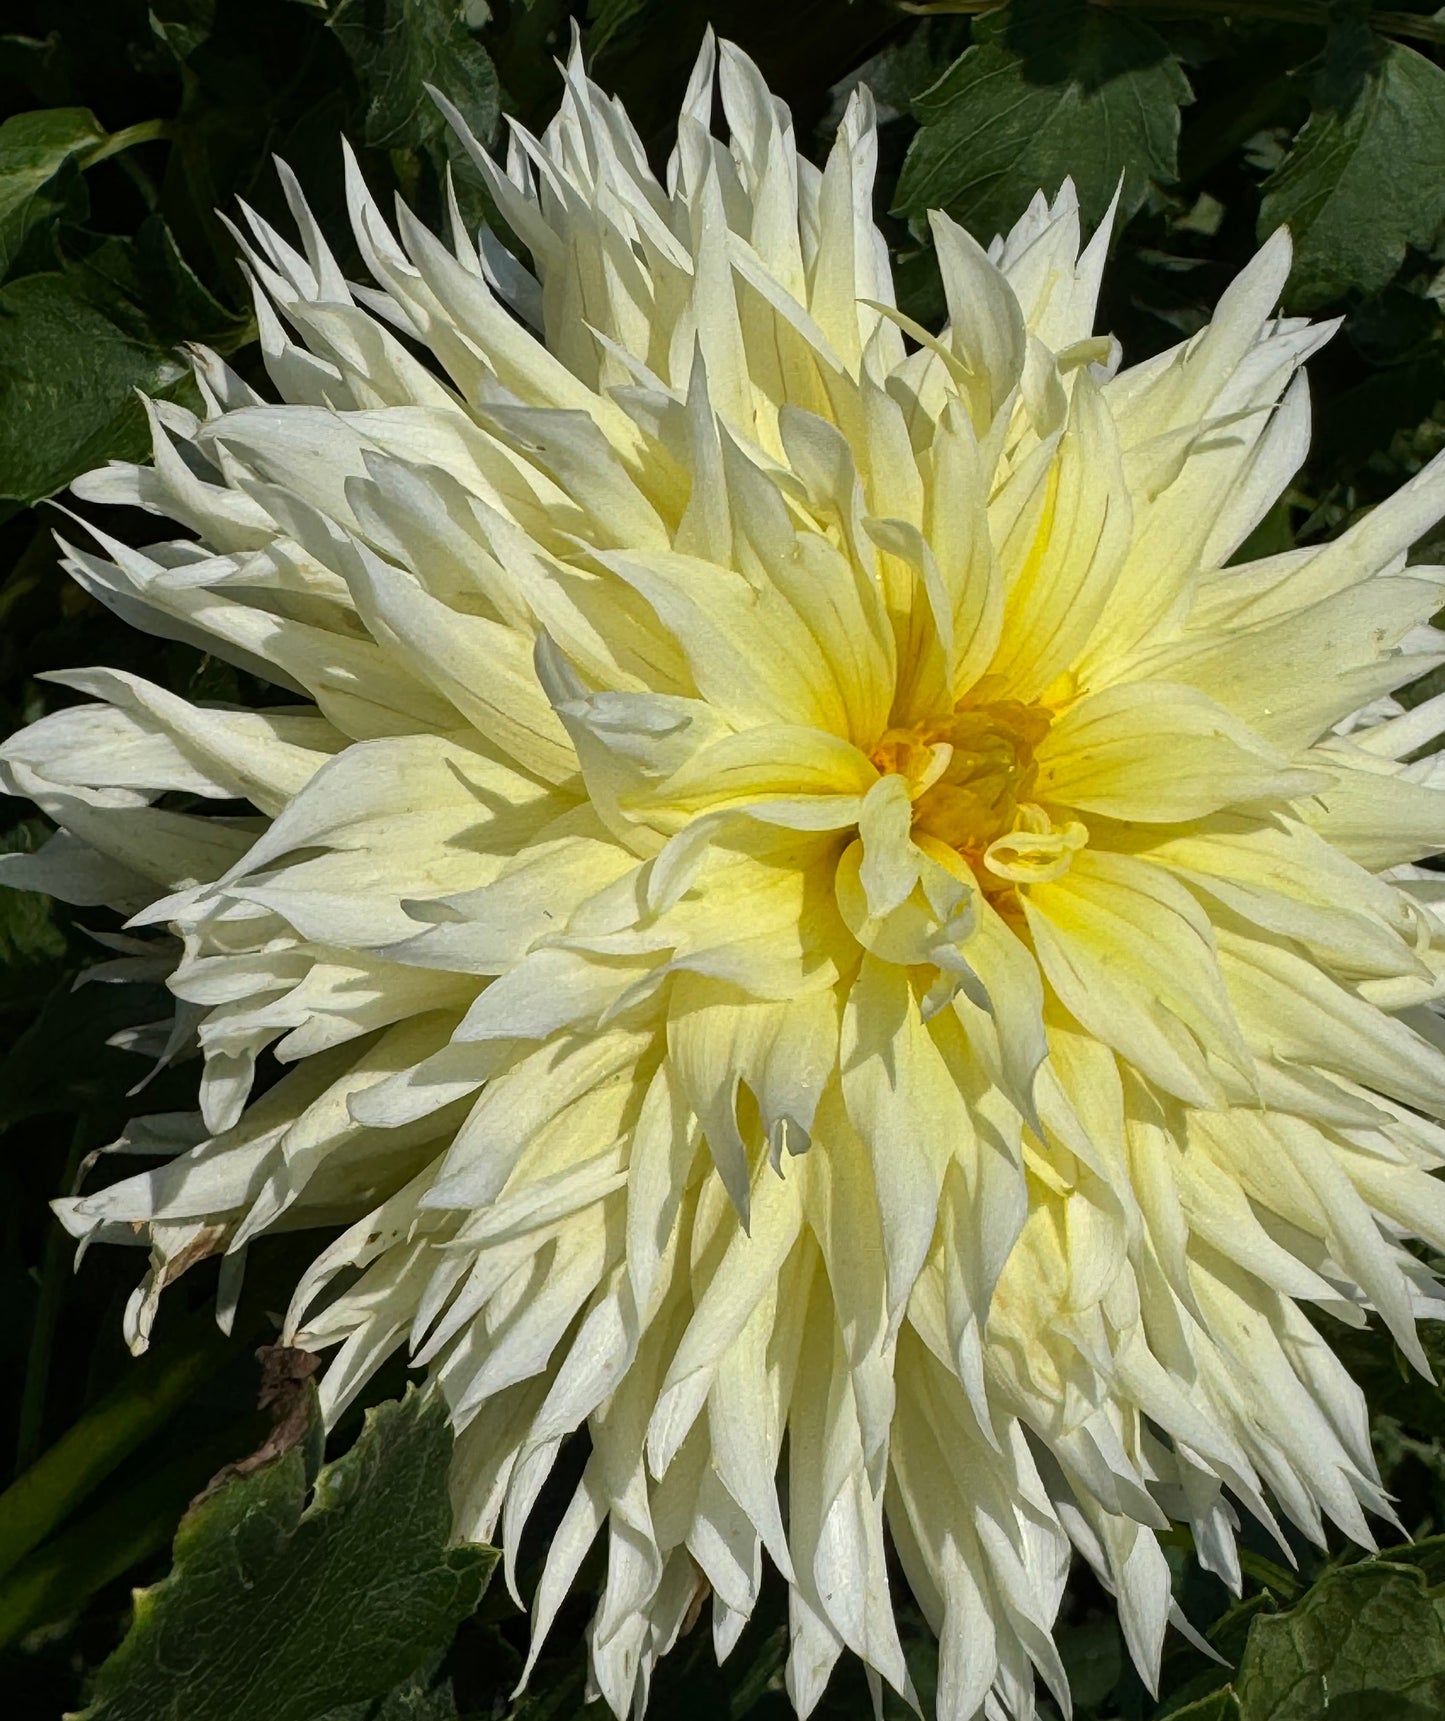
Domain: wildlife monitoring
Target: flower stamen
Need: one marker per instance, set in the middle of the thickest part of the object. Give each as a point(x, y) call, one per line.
point(968, 772)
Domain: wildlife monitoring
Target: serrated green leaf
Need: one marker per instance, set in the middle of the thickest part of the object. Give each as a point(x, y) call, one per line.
point(1367, 1643)
point(69, 369)
point(34, 148)
point(397, 48)
point(1050, 88)
point(911, 64)
point(276, 1610)
point(1364, 179)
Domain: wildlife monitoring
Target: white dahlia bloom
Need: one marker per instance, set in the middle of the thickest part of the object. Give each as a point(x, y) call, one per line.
point(815, 930)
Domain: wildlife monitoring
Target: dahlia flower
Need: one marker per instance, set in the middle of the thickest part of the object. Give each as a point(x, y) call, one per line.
point(812, 925)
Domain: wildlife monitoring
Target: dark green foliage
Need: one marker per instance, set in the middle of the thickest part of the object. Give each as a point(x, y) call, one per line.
point(1050, 87)
point(398, 47)
point(1369, 1637)
point(277, 1609)
point(1218, 1706)
point(1365, 178)
point(35, 191)
point(417, 1700)
point(281, 1609)
point(125, 126)
point(30, 939)
point(70, 369)
point(1366, 1642)
point(607, 17)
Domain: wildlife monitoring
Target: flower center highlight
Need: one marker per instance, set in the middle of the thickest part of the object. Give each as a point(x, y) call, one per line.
point(968, 771)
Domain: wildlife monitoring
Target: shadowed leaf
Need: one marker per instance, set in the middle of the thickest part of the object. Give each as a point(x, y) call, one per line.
point(280, 1610)
point(34, 148)
point(1049, 88)
point(1365, 178)
point(1366, 1643)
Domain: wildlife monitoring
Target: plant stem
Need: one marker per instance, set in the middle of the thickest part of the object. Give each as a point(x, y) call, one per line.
point(147, 131)
point(62, 1577)
point(51, 1489)
point(141, 180)
point(47, 1312)
point(1312, 12)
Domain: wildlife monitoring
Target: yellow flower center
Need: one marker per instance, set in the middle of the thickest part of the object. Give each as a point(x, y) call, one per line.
point(968, 770)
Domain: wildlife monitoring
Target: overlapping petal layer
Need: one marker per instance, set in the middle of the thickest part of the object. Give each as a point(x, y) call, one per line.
point(814, 928)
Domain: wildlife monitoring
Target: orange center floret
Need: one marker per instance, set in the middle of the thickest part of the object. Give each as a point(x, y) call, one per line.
point(986, 755)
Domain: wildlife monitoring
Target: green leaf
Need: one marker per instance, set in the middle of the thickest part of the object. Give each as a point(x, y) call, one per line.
point(899, 73)
point(397, 48)
point(608, 18)
point(1364, 179)
point(29, 935)
point(183, 25)
point(1049, 88)
point(149, 273)
point(417, 1700)
point(34, 148)
point(1367, 1643)
point(1426, 1556)
point(1092, 1654)
point(276, 1610)
point(1220, 1705)
point(69, 369)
